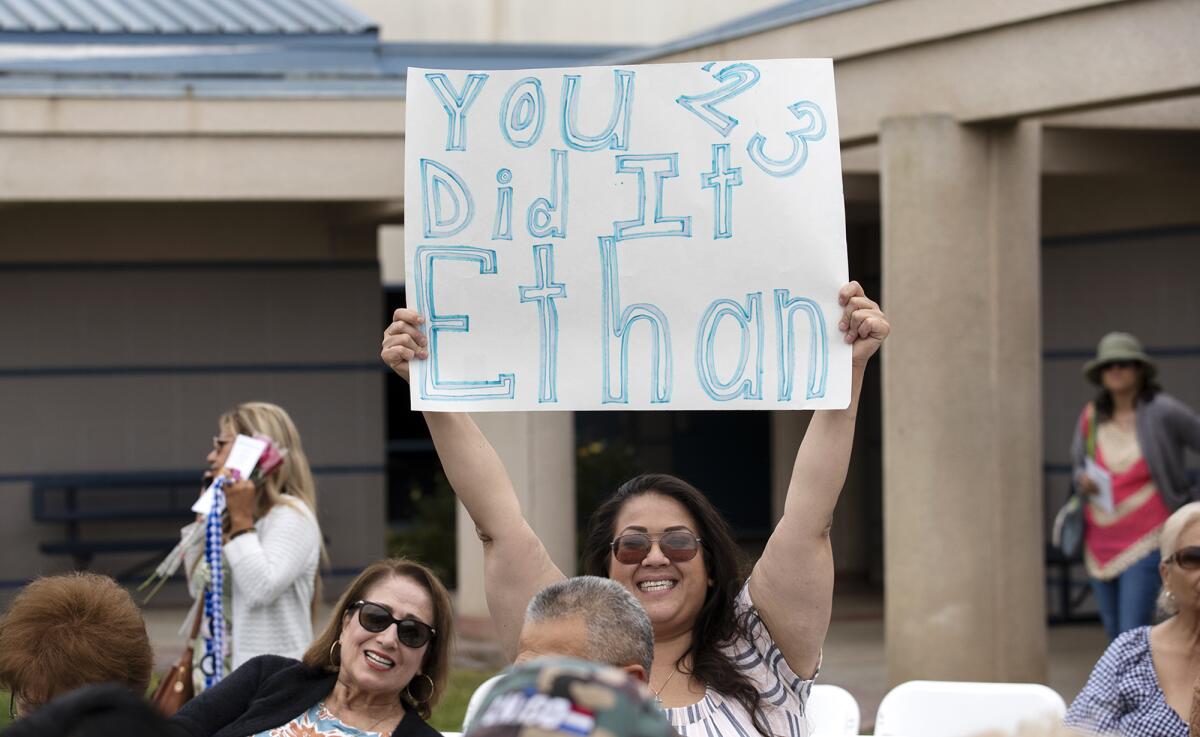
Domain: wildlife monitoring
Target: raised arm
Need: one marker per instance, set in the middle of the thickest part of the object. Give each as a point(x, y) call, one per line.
point(792, 583)
point(516, 564)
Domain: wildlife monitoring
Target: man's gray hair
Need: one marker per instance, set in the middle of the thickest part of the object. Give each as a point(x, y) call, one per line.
point(619, 632)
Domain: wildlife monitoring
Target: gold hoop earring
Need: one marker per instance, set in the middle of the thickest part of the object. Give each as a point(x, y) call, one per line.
point(335, 662)
point(424, 697)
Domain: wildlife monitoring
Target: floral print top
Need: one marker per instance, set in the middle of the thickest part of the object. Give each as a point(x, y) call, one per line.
point(316, 722)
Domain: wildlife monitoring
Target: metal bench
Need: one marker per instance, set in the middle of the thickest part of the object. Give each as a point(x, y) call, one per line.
point(1068, 589)
point(144, 496)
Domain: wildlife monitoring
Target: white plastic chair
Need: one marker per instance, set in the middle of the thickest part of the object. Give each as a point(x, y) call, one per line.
point(963, 709)
point(832, 712)
point(476, 700)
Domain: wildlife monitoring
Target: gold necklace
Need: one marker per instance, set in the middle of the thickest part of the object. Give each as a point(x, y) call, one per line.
point(371, 728)
point(663, 687)
point(379, 721)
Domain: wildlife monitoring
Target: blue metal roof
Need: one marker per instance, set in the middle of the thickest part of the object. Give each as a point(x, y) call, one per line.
point(785, 14)
point(239, 66)
point(224, 17)
point(280, 48)
point(229, 48)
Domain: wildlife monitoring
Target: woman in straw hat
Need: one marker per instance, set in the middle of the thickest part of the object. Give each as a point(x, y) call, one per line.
point(1128, 458)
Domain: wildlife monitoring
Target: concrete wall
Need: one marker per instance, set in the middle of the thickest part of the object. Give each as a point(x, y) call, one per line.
point(391, 254)
point(127, 329)
point(324, 149)
point(1039, 57)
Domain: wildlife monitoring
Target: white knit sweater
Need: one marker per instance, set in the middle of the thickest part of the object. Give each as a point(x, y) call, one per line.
point(272, 572)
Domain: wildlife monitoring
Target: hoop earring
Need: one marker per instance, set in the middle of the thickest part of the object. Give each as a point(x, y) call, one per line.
point(335, 662)
point(423, 698)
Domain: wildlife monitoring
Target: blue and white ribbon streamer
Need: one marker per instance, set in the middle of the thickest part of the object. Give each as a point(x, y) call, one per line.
point(214, 611)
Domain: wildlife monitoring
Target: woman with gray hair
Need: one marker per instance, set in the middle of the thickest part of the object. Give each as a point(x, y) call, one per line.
point(1143, 684)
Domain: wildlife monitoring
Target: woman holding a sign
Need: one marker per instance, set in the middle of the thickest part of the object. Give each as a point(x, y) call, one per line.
point(270, 541)
point(732, 656)
point(1127, 457)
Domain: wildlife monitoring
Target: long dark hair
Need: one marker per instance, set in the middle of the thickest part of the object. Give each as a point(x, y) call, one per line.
point(717, 624)
point(1147, 388)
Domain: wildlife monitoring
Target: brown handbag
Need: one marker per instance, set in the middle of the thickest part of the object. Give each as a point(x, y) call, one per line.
point(176, 687)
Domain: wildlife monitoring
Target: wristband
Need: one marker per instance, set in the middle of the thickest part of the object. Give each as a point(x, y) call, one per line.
point(242, 531)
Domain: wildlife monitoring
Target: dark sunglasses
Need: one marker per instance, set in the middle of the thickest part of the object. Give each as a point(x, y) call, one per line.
point(677, 545)
point(1186, 558)
point(1118, 365)
point(374, 618)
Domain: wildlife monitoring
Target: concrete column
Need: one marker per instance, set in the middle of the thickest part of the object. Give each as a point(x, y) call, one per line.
point(538, 448)
point(962, 401)
point(851, 551)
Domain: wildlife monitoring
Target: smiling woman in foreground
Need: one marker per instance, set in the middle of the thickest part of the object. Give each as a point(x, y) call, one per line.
point(731, 656)
point(1144, 684)
point(377, 669)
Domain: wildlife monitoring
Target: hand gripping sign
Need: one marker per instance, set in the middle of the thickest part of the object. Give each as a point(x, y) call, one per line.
point(644, 237)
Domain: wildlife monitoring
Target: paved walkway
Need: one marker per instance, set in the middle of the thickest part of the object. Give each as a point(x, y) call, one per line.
point(854, 656)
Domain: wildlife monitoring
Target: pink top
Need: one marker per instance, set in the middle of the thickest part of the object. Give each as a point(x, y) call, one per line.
point(1115, 541)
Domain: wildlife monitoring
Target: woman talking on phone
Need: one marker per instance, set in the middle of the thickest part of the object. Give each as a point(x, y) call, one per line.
point(271, 543)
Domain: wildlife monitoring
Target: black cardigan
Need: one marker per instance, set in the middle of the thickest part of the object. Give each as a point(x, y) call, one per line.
point(267, 691)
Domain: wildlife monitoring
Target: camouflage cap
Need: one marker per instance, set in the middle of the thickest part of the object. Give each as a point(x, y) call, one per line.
point(553, 697)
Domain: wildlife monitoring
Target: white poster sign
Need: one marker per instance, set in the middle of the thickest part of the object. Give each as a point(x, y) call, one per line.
point(644, 237)
point(243, 457)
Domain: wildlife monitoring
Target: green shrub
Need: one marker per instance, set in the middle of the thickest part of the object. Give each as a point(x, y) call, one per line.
point(430, 538)
point(600, 467)
point(449, 713)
